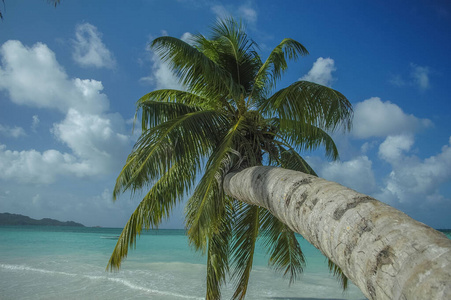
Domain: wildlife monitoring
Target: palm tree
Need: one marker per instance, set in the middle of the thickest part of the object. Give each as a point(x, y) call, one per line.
point(227, 119)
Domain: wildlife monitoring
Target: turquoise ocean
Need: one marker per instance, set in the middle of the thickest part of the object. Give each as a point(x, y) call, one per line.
point(70, 263)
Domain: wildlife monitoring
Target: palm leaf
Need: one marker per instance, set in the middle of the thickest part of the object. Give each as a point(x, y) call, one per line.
point(155, 206)
point(246, 231)
point(185, 139)
point(218, 254)
point(236, 52)
point(182, 97)
point(285, 253)
point(307, 137)
point(338, 273)
point(276, 63)
point(154, 113)
point(194, 69)
point(205, 207)
point(309, 103)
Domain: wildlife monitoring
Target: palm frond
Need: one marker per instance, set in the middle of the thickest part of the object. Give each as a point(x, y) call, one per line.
point(182, 97)
point(338, 273)
point(272, 69)
point(205, 206)
point(183, 140)
point(285, 253)
point(245, 237)
point(154, 113)
point(195, 70)
point(153, 208)
point(218, 254)
point(310, 103)
point(307, 137)
point(236, 52)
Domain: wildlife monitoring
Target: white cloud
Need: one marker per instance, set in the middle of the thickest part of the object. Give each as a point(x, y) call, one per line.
point(94, 139)
point(12, 131)
point(321, 72)
point(33, 77)
point(35, 122)
point(248, 13)
point(220, 11)
point(34, 167)
point(412, 179)
point(392, 149)
point(97, 148)
point(186, 37)
point(374, 118)
point(89, 50)
point(420, 76)
point(368, 146)
point(356, 173)
point(397, 80)
point(245, 12)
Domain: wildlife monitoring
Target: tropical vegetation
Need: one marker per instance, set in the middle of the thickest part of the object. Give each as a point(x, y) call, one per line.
point(229, 116)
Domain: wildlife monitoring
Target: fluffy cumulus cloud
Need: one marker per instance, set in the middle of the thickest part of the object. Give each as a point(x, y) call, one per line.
point(31, 166)
point(321, 72)
point(97, 148)
point(33, 77)
point(374, 118)
point(355, 173)
point(94, 139)
point(89, 50)
point(394, 147)
point(413, 179)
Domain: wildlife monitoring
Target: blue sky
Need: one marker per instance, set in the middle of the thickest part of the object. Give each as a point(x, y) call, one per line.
point(70, 77)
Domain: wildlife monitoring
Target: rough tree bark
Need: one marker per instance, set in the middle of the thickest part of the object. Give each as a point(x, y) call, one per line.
point(387, 254)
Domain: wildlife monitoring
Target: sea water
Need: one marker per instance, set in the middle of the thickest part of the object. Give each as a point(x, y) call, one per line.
point(39, 262)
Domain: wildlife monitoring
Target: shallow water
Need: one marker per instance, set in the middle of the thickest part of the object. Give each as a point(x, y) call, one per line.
point(69, 263)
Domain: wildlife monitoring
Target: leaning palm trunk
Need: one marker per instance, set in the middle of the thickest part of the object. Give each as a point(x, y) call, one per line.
point(387, 254)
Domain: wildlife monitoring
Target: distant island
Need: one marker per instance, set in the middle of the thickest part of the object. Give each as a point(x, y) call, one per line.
point(15, 219)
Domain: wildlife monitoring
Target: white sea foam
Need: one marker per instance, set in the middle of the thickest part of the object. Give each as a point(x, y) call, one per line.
point(122, 281)
point(151, 291)
point(26, 268)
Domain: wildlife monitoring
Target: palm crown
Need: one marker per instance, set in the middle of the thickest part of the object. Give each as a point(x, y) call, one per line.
point(228, 118)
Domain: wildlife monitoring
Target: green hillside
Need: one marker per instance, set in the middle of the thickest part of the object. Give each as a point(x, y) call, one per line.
point(15, 219)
